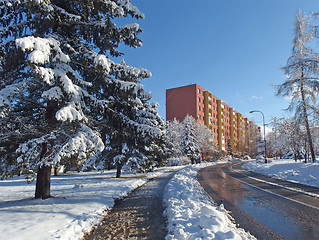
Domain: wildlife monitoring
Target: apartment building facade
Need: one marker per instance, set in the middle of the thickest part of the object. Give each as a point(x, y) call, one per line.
point(229, 127)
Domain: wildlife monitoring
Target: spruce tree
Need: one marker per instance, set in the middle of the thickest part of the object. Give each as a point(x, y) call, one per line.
point(189, 140)
point(229, 148)
point(134, 133)
point(58, 81)
point(173, 133)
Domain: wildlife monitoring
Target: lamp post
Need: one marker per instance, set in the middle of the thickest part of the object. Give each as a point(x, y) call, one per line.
point(264, 130)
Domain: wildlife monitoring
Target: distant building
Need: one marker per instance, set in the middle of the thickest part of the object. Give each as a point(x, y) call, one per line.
point(225, 123)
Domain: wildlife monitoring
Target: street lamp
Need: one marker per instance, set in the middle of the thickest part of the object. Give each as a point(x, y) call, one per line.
point(264, 130)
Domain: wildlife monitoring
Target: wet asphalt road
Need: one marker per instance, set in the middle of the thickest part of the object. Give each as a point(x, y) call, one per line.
point(267, 208)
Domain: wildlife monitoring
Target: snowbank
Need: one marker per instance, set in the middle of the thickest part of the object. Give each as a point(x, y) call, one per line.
point(192, 214)
point(79, 202)
point(288, 169)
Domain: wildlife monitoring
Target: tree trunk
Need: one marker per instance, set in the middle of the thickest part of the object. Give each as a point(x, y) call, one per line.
point(56, 169)
point(42, 189)
point(118, 170)
point(43, 182)
point(304, 108)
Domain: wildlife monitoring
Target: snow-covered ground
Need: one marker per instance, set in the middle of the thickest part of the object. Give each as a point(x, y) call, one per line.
point(79, 202)
point(192, 214)
point(81, 198)
point(288, 169)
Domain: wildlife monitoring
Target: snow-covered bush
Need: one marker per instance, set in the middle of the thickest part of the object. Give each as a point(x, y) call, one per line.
point(178, 161)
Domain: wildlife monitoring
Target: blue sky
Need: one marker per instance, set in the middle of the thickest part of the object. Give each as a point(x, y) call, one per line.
point(232, 48)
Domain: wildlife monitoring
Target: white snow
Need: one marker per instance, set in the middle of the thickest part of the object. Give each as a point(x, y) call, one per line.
point(46, 74)
point(101, 60)
point(84, 144)
point(40, 49)
point(288, 169)
point(69, 113)
point(192, 214)
point(53, 93)
point(79, 202)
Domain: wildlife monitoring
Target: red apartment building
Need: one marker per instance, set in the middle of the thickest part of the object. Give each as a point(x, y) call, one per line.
point(225, 123)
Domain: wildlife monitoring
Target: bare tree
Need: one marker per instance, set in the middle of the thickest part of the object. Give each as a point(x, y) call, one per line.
point(302, 75)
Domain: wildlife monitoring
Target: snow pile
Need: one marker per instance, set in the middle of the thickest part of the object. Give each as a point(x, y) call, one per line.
point(79, 202)
point(288, 169)
point(192, 214)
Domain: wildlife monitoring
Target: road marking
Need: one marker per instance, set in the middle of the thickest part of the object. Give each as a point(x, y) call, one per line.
point(305, 204)
point(288, 188)
point(275, 184)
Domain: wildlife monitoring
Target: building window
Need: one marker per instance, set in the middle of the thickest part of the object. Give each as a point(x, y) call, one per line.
point(199, 117)
point(199, 91)
point(198, 108)
point(198, 99)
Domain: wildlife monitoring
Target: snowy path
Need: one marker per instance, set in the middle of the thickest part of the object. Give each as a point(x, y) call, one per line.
point(138, 216)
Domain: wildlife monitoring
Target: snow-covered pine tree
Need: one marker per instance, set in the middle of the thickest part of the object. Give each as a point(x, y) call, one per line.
point(135, 126)
point(302, 75)
point(54, 69)
point(229, 148)
point(205, 139)
point(173, 133)
point(189, 140)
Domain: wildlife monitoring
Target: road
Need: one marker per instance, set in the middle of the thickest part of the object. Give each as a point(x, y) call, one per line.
point(266, 207)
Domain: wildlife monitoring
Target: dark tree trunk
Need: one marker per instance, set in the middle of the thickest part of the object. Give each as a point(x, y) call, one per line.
point(118, 170)
point(109, 165)
point(51, 110)
point(42, 188)
point(56, 169)
point(43, 182)
point(305, 115)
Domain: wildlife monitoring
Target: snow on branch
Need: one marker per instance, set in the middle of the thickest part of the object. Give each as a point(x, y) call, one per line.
point(70, 114)
point(8, 94)
point(103, 61)
point(54, 93)
point(40, 49)
point(46, 74)
point(123, 71)
point(127, 6)
point(84, 144)
point(142, 129)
